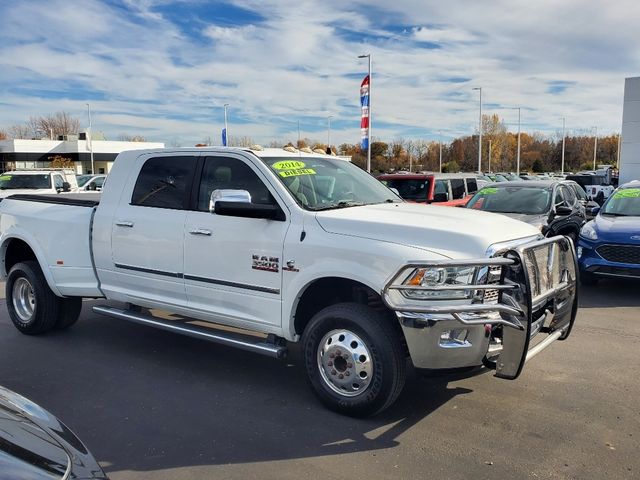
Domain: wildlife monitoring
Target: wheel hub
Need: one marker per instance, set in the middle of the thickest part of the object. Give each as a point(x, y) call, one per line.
point(24, 300)
point(345, 362)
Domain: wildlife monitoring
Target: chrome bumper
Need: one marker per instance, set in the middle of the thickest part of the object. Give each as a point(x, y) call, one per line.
point(537, 304)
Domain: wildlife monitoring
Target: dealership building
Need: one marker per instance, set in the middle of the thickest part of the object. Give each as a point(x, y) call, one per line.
point(630, 153)
point(31, 154)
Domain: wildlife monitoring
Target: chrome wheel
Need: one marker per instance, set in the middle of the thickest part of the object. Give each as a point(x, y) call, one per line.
point(24, 300)
point(345, 363)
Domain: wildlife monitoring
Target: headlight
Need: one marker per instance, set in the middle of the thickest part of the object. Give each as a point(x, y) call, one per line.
point(588, 231)
point(437, 283)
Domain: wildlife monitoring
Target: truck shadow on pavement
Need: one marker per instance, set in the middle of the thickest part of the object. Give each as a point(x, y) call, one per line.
point(610, 293)
point(146, 400)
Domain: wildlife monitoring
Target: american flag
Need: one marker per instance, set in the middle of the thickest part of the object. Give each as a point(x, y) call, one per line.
point(364, 120)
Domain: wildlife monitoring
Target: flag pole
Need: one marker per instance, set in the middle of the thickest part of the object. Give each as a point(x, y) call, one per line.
point(368, 56)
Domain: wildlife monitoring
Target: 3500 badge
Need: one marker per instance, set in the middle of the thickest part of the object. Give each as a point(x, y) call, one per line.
point(265, 263)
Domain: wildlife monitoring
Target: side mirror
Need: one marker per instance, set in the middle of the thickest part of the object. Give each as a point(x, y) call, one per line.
point(441, 197)
point(92, 186)
point(66, 187)
point(228, 195)
point(563, 210)
point(237, 203)
point(595, 211)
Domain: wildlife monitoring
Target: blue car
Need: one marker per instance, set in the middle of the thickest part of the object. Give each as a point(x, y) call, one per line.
point(609, 245)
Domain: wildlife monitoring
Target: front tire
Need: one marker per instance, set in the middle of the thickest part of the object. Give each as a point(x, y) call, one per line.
point(354, 358)
point(587, 278)
point(32, 306)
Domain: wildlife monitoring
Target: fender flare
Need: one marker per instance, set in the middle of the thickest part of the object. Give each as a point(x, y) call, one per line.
point(35, 248)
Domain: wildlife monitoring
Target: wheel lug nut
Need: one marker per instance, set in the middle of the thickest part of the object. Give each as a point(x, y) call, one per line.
point(341, 376)
point(330, 363)
point(349, 365)
point(333, 372)
point(332, 355)
point(347, 373)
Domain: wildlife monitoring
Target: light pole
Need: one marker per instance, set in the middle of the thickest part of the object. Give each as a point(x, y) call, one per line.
point(329, 131)
point(479, 132)
point(562, 164)
point(93, 170)
point(489, 156)
point(595, 147)
point(440, 144)
point(368, 56)
point(518, 152)
point(226, 130)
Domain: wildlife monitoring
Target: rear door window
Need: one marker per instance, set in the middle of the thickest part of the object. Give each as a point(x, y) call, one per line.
point(165, 182)
point(457, 188)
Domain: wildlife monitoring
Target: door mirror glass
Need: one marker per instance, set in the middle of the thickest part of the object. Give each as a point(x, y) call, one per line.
point(595, 211)
point(66, 187)
point(228, 195)
point(563, 210)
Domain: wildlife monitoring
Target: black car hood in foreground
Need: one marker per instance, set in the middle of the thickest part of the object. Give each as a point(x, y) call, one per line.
point(36, 445)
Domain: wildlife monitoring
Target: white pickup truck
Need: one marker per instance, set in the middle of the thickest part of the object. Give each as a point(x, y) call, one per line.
point(286, 247)
point(37, 182)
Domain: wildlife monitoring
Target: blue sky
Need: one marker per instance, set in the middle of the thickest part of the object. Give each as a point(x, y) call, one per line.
point(164, 69)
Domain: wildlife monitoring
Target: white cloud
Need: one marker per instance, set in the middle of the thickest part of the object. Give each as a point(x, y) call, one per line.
point(141, 70)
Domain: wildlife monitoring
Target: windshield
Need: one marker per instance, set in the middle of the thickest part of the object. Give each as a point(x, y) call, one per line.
point(623, 203)
point(82, 179)
point(14, 182)
point(526, 200)
point(325, 183)
point(409, 189)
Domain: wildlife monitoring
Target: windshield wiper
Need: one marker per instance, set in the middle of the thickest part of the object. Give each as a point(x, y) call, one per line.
point(341, 204)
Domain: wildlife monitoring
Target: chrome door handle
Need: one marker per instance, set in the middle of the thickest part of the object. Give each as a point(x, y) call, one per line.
point(124, 223)
point(200, 231)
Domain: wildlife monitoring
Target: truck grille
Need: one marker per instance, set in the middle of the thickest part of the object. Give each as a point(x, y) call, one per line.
point(494, 275)
point(620, 253)
point(547, 266)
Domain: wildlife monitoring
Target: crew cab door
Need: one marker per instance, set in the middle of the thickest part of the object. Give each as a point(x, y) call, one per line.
point(147, 231)
point(232, 264)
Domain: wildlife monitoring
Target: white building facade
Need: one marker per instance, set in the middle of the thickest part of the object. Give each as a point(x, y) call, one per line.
point(30, 154)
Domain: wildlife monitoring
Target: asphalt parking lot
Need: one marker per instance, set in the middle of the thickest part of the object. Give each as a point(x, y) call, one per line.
point(150, 404)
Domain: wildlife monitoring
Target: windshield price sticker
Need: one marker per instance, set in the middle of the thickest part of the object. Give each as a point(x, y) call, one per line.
point(5, 177)
point(626, 193)
point(488, 191)
point(289, 165)
point(295, 173)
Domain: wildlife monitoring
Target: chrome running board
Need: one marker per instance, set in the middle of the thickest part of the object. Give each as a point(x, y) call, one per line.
point(268, 346)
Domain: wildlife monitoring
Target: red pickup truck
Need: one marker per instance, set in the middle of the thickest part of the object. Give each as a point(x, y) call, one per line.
point(450, 189)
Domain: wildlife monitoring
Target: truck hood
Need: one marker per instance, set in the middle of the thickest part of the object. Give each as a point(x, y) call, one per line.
point(531, 218)
point(23, 191)
point(449, 231)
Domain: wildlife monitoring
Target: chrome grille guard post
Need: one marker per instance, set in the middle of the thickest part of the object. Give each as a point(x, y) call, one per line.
point(555, 308)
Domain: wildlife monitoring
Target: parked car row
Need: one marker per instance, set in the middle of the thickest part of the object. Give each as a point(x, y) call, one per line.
point(48, 181)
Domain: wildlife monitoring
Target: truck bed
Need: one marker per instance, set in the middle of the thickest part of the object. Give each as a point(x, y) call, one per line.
point(58, 227)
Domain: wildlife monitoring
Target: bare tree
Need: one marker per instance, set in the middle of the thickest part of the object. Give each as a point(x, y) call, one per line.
point(241, 142)
point(21, 132)
point(123, 137)
point(52, 125)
